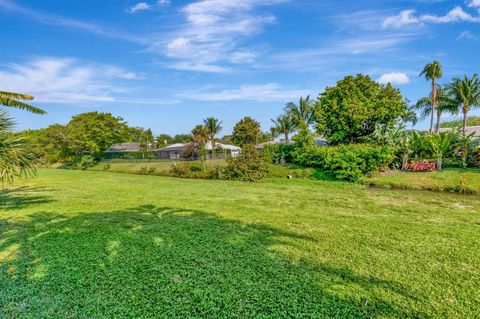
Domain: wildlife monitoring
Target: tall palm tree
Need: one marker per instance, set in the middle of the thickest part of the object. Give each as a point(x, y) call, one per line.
point(302, 114)
point(199, 137)
point(213, 127)
point(445, 103)
point(466, 93)
point(12, 100)
point(16, 156)
point(432, 72)
point(284, 124)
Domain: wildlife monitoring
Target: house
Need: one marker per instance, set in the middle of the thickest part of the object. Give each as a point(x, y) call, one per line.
point(230, 150)
point(172, 152)
point(125, 147)
point(320, 141)
point(469, 130)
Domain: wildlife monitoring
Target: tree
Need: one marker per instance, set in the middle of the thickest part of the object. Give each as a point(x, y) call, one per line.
point(93, 133)
point(301, 114)
point(471, 121)
point(200, 135)
point(213, 127)
point(284, 124)
point(246, 131)
point(350, 110)
point(440, 144)
point(16, 156)
point(466, 93)
point(163, 140)
point(11, 99)
point(432, 72)
point(445, 103)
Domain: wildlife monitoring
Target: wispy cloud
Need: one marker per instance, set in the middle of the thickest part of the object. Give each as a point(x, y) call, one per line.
point(208, 39)
point(394, 78)
point(468, 35)
point(143, 6)
point(55, 20)
point(256, 92)
point(408, 18)
point(67, 80)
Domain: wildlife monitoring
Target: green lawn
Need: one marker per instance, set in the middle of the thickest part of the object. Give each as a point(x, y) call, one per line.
point(77, 244)
point(450, 180)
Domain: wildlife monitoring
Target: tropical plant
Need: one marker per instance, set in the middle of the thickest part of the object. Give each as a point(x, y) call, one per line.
point(445, 103)
point(284, 124)
point(199, 137)
point(466, 93)
point(441, 144)
point(213, 127)
point(432, 72)
point(11, 99)
point(301, 113)
point(16, 156)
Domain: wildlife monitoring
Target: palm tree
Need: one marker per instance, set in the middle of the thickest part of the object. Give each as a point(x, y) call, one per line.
point(445, 103)
point(440, 144)
point(16, 157)
point(284, 124)
point(213, 127)
point(432, 72)
point(466, 93)
point(302, 114)
point(200, 135)
point(12, 100)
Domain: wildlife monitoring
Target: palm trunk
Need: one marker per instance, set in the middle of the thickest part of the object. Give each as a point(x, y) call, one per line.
point(434, 101)
point(465, 113)
point(439, 163)
point(439, 115)
point(404, 161)
point(286, 138)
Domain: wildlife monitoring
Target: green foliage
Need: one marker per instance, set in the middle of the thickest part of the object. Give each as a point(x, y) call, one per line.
point(11, 99)
point(246, 131)
point(351, 110)
point(247, 166)
point(86, 161)
point(471, 121)
point(275, 152)
point(300, 115)
point(129, 155)
point(346, 162)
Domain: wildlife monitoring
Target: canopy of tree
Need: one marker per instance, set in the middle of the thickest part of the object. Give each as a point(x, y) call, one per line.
point(350, 110)
point(246, 131)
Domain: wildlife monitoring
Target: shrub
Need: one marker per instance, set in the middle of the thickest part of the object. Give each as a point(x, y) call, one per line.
point(181, 170)
point(249, 166)
point(346, 162)
point(86, 161)
point(422, 166)
point(106, 167)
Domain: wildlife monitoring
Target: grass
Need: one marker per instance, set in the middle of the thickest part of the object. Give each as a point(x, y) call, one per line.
point(77, 244)
point(449, 180)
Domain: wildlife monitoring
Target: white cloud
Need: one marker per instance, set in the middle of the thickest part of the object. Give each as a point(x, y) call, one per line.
point(211, 32)
point(394, 78)
point(260, 93)
point(468, 35)
point(65, 80)
point(408, 18)
point(141, 6)
point(473, 3)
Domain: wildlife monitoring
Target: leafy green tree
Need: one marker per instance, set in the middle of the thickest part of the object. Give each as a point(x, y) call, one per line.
point(302, 113)
point(93, 133)
point(466, 93)
point(471, 121)
point(181, 138)
point(349, 111)
point(441, 144)
point(246, 131)
point(284, 124)
point(163, 140)
point(432, 72)
point(16, 156)
point(248, 166)
point(11, 99)
point(445, 103)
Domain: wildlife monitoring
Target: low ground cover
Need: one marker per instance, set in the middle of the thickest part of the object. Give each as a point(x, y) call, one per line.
point(94, 244)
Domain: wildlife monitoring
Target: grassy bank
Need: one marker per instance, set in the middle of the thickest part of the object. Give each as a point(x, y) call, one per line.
point(448, 180)
point(96, 245)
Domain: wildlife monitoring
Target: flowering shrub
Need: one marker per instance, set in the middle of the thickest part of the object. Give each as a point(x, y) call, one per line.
point(422, 166)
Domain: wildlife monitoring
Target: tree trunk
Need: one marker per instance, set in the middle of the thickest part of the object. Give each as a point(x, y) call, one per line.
point(465, 113)
point(434, 102)
point(404, 161)
point(286, 138)
point(439, 115)
point(439, 163)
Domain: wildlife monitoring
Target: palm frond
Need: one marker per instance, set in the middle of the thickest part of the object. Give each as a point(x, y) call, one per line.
point(16, 96)
point(20, 105)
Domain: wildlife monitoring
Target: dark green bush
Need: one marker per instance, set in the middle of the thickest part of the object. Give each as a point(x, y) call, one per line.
point(129, 155)
point(249, 166)
point(86, 161)
point(181, 170)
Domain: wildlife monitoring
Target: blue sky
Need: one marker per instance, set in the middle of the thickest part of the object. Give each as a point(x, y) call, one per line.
point(168, 64)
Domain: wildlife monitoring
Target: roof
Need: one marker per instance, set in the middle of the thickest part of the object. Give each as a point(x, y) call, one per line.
point(173, 147)
point(469, 130)
point(208, 146)
point(273, 142)
point(125, 147)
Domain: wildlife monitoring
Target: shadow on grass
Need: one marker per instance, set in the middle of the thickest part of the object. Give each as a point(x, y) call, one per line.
point(22, 197)
point(152, 262)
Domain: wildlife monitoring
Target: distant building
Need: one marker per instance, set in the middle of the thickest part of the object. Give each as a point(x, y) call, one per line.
point(172, 152)
point(232, 150)
point(125, 147)
point(469, 130)
point(320, 141)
